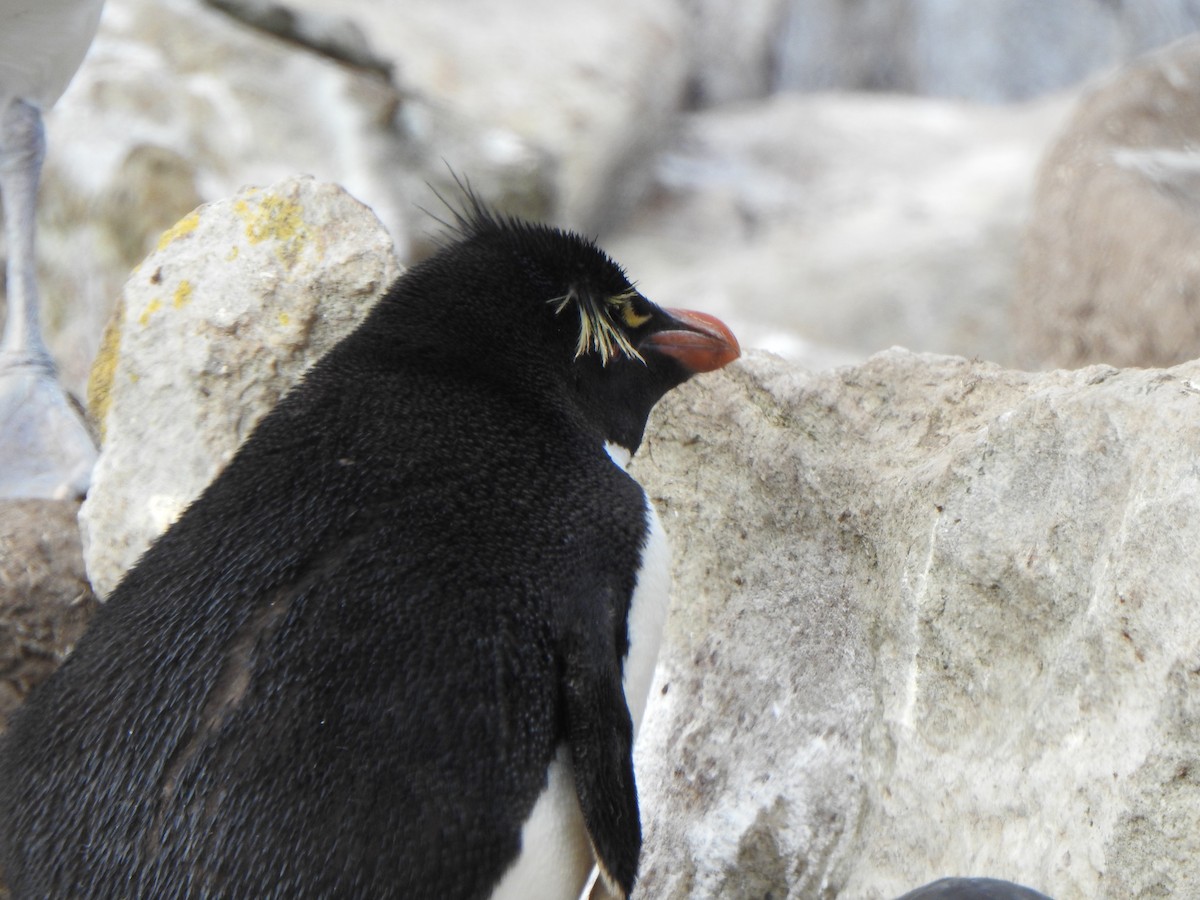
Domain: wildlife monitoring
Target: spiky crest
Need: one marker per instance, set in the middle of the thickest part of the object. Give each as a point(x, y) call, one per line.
point(598, 332)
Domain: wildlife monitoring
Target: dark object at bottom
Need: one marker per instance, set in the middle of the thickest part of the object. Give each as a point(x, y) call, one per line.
point(973, 889)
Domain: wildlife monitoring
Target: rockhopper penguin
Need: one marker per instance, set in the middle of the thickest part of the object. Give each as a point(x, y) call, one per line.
point(399, 647)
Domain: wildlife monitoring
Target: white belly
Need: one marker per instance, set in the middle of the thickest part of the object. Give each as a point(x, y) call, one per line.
point(647, 616)
point(648, 607)
point(556, 859)
point(556, 856)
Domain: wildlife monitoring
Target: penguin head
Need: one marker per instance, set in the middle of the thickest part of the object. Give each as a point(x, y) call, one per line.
point(546, 312)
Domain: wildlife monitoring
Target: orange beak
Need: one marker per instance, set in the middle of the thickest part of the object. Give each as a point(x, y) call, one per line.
point(702, 343)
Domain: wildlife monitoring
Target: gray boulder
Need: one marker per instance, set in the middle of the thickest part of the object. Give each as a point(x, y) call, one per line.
point(731, 49)
point(931, 617)
point(595, 87)
point(178, 104)
point(1111, 264)
point(240, 297)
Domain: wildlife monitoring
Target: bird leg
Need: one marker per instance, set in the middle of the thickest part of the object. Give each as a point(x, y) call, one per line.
point(46, 449)
point(22, 147)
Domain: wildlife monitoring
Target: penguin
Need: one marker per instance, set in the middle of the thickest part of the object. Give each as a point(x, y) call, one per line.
point(400, 646)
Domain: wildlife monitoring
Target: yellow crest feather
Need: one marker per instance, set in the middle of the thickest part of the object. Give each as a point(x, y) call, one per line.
point(598, 331)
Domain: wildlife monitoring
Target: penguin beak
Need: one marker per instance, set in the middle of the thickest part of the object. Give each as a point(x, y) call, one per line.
point(697, 341)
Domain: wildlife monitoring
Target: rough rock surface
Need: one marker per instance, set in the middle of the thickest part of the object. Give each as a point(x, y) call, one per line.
point(931, 617)
point(45, 601)
point(238, 300)
point(847, 221)
point(1111, 267)
point(731, 49)
point(594, 86)
point(179, 104)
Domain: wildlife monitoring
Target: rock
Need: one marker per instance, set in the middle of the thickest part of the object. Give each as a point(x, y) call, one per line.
point(931, 617)
point(594, 86)
point(852, 222)
point(730, 49)
point(238, 300)
point(179, 104)
point(338, 37)
point(151, 190)
point(992, 51)
point(552, 112)
point(45, 601)
point(1111, 266)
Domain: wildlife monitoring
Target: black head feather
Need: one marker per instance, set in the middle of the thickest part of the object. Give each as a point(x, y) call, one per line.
point(532, 309)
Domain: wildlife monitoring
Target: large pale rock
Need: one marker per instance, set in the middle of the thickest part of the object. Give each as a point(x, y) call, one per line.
point(1111, 265)
point(852, 222)
point(731, 49)
point(240, 297)
point(931, 617)
point(179, 104)
point(595, 85)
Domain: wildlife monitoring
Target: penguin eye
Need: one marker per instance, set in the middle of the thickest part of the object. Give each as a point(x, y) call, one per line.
point(631, 316)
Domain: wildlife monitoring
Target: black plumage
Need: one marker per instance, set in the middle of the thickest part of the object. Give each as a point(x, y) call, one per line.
point(345, 669)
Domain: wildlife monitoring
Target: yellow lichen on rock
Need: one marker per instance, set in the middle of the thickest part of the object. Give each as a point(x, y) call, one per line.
point(183, 294)
point(151, 308)
point(184, 226)
point(104, 371)
point(279, 219)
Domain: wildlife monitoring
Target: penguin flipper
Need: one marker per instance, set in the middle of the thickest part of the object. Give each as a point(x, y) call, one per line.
point(600, 735)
